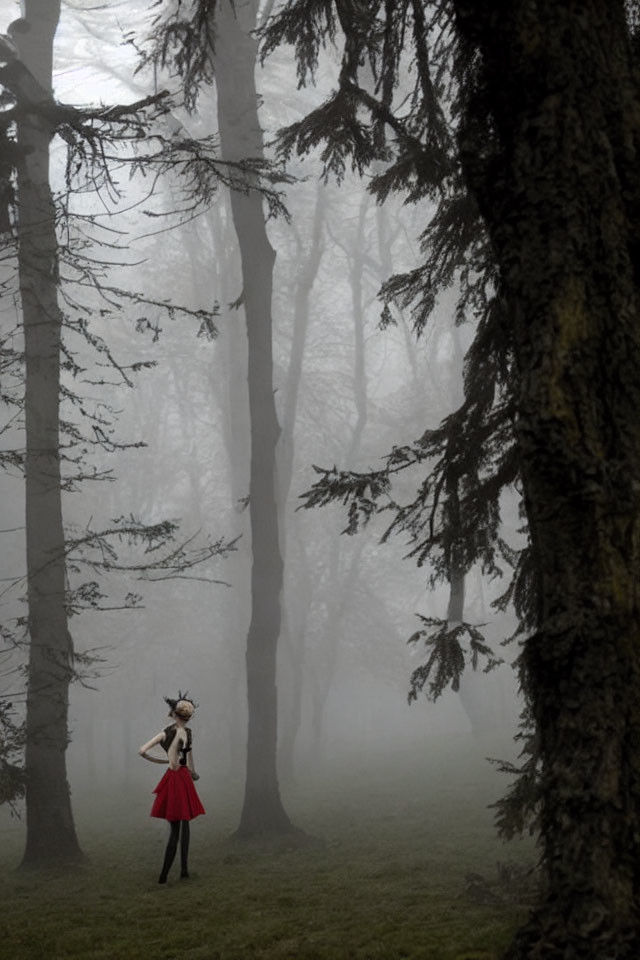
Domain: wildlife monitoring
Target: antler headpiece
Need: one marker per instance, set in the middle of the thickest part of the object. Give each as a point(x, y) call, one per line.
point(181, 698)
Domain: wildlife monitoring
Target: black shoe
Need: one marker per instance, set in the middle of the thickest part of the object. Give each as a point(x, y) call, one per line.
point(184, 875)
point(162, 879)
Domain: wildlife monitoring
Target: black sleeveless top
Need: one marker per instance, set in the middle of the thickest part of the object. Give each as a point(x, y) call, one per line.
point(169, 736)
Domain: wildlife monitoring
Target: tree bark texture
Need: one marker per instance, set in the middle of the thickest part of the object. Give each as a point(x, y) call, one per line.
point(51, 836)
point(555, 170)
point(234, 63)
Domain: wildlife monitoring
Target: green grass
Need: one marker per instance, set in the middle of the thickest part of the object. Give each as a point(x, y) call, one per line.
point(381, 878)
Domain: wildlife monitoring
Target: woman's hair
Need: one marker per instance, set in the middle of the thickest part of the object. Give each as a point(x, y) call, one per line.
point(182, 706)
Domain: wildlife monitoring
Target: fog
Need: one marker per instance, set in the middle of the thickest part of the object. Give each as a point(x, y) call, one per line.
point(174, 445)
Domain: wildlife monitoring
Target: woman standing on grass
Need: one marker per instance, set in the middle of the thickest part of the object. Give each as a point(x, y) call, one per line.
point(176, 798)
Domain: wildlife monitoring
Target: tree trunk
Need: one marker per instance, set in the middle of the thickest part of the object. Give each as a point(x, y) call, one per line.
point(298, 588)
point(341, 584)
point(292, 640)
point(557, 181)
point(356, 275)
point(241, 137)
point(229, 382)
point(342, 576)
point(455, 609)
point(51, 836)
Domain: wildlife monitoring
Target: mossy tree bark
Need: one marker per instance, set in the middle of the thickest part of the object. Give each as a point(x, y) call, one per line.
point(51, 836)
point(555, 171)
point(234, 64)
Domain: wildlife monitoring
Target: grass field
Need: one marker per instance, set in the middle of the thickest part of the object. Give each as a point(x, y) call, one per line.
point(381, 876)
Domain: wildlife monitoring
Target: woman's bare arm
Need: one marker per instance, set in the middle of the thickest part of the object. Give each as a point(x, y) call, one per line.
point(159, 737)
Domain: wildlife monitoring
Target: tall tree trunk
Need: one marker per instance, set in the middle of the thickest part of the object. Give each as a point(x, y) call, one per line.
point(230, 386)
point(51, 836)
point(341, 585)
point(342, 577)
point(557, 181)
point(307, 266)
point(241, 137)
point(298, 587)
point(356, 275)
point(292, 640)
point(455, 609)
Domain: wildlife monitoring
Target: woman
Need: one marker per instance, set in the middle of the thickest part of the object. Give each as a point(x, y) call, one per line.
point(176, 798)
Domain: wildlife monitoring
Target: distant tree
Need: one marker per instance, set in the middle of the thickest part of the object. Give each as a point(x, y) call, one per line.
point(234, 52)
point(202, 40)
point(51, 834)
point(537, 218)
point(343, 567)
point(298, 586)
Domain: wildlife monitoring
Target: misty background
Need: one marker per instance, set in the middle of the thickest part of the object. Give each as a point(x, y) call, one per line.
point(175, 446)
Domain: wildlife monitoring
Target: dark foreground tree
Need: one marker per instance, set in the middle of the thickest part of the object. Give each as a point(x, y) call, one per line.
point(546, 117)
point(557, 183)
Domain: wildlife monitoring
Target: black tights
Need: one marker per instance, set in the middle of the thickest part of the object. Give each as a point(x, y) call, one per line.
point(172, 846)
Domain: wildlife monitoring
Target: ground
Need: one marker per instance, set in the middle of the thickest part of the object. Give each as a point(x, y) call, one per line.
point(383, 876)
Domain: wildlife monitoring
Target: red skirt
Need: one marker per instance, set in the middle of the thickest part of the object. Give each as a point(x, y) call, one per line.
point(176, 797)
